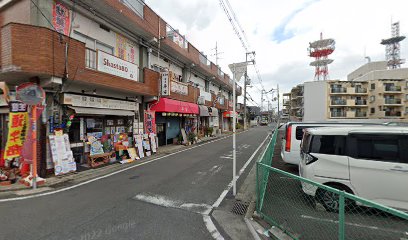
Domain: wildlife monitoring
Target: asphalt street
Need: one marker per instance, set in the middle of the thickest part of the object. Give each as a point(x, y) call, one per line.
point(164, 199)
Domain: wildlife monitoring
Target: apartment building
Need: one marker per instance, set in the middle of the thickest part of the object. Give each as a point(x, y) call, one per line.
point(110, 65)
point(371, 93)
point(293, 103)
point(286, 99)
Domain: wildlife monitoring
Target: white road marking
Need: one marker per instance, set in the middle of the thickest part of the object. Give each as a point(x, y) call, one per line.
point(212, 228)
point(110, 174)
point(226, 157)
point(225, 192)
point(353, 224)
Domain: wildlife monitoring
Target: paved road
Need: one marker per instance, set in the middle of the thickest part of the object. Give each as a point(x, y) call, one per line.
point(298, 213)
point(159, 200)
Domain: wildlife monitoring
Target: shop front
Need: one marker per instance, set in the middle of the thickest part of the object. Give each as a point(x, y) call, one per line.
point(203, 123)
point(105, 120)
point(227, 120)
point(214, 120)
point(175, 120)
point(4, 110)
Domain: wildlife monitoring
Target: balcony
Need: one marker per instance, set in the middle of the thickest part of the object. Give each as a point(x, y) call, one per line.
point(392, 101)
point(204, 60)
point(339, 90)
point(286, 102)
point(338, 114)
point(360, 114)
point(361, 102)
point(393, 114)
point(360, 90)
point(392, 88)
point(337, 102)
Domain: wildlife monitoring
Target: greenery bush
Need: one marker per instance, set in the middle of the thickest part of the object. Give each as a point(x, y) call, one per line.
point(209, 131)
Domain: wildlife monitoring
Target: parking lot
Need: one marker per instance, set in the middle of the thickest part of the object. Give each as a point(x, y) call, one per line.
point(305, 218)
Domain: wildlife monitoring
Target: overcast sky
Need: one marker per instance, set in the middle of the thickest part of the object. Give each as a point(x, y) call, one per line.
point(280, 32)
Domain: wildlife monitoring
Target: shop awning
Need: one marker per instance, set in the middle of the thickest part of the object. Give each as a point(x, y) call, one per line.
point(102, 111)
point(204, 111)
point(229, 114)
point(170, 105)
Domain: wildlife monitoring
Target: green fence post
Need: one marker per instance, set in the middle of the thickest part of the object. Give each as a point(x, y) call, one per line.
point(341, 215)
point(257, 187)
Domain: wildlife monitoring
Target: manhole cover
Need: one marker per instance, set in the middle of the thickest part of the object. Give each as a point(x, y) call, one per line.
point(240, 207)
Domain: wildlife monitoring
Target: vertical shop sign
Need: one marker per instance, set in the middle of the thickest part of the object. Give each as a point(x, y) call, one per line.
point(61, 18)
point(150, 121)
point(165, 84)
point(16, 129)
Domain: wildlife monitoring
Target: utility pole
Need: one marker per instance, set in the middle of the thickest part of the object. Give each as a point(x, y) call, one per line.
point(278, 102)
point(246, 82)
point(216, 53)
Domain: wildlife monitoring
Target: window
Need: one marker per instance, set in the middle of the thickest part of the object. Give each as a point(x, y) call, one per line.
point(328, 144)
point(372, 110)
point(104, 47)
point(380, 148)
point(372, 98)
point(299, 131)
point(372, 86)
point(406, 96)
point(207, 86)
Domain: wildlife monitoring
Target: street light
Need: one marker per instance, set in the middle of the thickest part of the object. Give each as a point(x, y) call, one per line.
point(237, 69)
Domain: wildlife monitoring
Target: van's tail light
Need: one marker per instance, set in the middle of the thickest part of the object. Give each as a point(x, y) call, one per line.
point(309, 158)
point(288, 138)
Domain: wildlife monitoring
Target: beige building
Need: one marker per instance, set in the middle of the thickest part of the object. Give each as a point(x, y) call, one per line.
point(372, 92)
point(293, 104)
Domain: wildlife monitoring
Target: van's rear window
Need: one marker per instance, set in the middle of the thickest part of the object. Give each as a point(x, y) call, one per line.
point(299, 132)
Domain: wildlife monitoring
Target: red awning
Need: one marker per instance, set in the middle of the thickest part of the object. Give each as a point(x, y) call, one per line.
point(170, 105)
point(229, 114)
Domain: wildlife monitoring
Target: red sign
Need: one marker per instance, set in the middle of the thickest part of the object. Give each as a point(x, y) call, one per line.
point(16, 129)
point(61, 18)
point(150, 121)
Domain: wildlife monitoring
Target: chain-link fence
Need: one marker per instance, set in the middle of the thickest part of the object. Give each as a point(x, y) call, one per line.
point(304, 209)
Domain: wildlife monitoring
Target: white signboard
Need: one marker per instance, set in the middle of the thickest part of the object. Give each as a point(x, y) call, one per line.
point(116, 66)
point(180, 88)
point(97, 102)
point(165, 84)
point(3, 101)
point(238, 69)
point(221, 100)
point(206, 95)
point(62, 155)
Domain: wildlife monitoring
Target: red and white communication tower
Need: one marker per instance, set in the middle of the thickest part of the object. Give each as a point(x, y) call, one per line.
point(320, 50)
point(393, 48)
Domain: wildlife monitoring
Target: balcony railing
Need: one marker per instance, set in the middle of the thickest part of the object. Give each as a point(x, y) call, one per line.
point(204, 60)
point(220, 73)
point(361, 102)
point(90, 58)
point(286, 101)
point(392, 101)
point(361, 114)
point(392, 88)
point(338, 114)
point(361, 90)
point(393, 114)
point(339, 102)
point(176, 37)
point(339, 90)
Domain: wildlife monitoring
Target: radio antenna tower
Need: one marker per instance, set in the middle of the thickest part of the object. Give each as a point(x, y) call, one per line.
point(393, 48)
point(320, 50)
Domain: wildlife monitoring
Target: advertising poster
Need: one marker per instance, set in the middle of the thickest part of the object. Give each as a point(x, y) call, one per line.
point(150, 121)
point(152, 137)
point(125, 49)
point(60, 18)
point(139, 145)
point(16, 129)
point(62, 155)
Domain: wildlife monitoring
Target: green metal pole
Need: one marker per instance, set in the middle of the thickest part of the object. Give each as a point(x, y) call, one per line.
point(257, 188)
point(341, 216)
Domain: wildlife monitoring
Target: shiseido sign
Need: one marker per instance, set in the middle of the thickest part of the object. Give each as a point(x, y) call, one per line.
point(116, 66)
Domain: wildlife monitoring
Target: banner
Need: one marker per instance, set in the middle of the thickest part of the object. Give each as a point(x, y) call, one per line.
point(61, 18)
point(16, 129)
point(150, 121)
point(125, 49)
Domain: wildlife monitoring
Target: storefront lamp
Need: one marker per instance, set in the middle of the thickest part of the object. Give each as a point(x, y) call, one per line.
point(164, 114)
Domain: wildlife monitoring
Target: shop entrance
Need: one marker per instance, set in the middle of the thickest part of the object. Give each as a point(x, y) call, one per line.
point(161, 133)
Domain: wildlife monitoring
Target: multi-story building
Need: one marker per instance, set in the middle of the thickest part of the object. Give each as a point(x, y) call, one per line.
point(371, 93)
point(286, 106)
point(296, 103)
point(107, 64)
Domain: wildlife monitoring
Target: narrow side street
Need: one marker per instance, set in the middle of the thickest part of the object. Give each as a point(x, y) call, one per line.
point(165, 199)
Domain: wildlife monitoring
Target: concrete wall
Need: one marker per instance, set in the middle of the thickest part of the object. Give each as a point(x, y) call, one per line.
point(366, 68)
point(315, 101)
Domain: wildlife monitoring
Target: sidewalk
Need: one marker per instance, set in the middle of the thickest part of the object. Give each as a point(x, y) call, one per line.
point(56, 182)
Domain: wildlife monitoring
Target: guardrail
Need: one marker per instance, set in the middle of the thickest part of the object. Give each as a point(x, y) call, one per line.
point(329, 214)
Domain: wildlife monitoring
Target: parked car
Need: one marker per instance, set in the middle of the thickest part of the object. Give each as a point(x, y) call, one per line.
point(293, 135)
point(370, 162)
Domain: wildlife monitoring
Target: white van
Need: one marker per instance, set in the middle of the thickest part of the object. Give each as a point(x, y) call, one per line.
point(290, 150)
point(370, 162)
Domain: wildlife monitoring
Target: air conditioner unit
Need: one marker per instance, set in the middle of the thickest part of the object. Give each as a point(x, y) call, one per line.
point(201, 100)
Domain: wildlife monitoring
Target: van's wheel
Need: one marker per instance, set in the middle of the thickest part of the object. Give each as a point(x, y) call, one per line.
point(331, 200)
